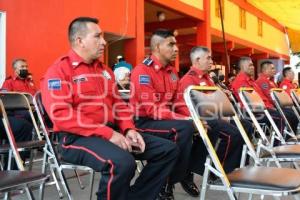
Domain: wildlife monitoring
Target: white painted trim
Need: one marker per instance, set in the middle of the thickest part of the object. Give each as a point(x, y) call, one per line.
point(2, 47)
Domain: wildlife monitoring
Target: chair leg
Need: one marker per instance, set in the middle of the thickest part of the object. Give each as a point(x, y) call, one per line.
point(64, 183)
point(6, 196)
point(92, 184)
point(250, 196)
point(79, 180)
point(9, 159)
point(60, 194)
point(29, 193)
point(204, 181)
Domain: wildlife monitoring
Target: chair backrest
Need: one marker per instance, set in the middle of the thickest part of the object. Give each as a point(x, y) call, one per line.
point(10, 137)
point(196, 98)
point(295, 94)
point(253, 100)
point(282, 98)
point(255, 105)
point(14, 101)
point(37, 101)
point(212, 104)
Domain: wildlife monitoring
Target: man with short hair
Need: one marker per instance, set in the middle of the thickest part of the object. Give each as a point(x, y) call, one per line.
point(266, 82)
point(288, 78)
point(20, 81)
point(155, 83)
point(244, 79)
point(94, 125)
point(230, 147)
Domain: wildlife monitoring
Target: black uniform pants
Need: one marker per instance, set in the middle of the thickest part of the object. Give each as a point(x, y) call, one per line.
point(117, 166)
point(231, 145)
point(22, 131)
point(291, 118)
point(178, 131)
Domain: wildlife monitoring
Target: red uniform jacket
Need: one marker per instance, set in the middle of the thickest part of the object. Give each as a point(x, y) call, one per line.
point(266, 84)
point(287, 85)
point(244, 80)
point(153, 90)
point(82, 98)
point(194, 76)
point(17, 84)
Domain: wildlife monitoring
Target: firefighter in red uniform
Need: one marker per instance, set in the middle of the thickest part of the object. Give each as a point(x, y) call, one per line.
point(82, 100)
point(154, 85)
point(244, 79)
point(266, 82)
point(21, 81)
point(288, 78)
point(230, 148)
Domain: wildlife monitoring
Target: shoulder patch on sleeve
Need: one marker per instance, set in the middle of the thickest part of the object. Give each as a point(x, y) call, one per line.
point(54, 84)
point(148, 61)
point(264, 86)
point(144, 79)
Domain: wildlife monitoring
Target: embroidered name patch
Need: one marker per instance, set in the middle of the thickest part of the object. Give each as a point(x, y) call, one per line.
point(144, 79)
point(54, 84)
point(78, 79)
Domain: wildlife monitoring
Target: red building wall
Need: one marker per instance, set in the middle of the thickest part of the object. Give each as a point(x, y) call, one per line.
point(37, 30)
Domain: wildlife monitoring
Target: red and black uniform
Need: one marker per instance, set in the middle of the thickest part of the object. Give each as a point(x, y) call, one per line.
point(266, 84)
point(231, 145)
point(153, 90)
point(244, 80)
point(83, 102)
point(17, 84)
point(287, 85)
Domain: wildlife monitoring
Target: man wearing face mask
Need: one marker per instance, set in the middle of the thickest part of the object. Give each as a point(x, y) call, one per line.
point(19, 81)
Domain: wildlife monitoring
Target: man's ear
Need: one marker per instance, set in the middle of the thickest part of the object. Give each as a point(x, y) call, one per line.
point(79, 42)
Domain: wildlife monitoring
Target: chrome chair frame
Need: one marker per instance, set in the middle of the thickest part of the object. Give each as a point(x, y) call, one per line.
point(216, 168)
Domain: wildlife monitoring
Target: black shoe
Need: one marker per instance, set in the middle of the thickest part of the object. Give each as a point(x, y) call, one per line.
point(190, 187)
point(166, 193)
point(214, 180)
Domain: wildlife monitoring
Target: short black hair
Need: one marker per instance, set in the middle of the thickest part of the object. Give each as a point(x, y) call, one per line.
point(164, 33)
point(264, 64)
point(285, 71)
point(78, 25)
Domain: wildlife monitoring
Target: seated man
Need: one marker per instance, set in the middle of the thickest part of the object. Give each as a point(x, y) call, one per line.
point(244, 79)
point(230, 147)
point(155, 83)
point(266, 82)
point(21, 81)
point(288, 78)
point(78, 94)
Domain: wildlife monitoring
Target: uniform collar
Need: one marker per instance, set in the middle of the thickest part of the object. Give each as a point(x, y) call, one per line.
point(158, 66)
point(76, 60)
point(245, 76)
point(262, 75)
point(199, 72)
point(287, 80)
point(15, 77)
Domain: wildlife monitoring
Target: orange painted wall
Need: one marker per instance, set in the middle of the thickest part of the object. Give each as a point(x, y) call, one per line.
point(37, 30)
